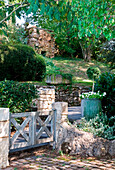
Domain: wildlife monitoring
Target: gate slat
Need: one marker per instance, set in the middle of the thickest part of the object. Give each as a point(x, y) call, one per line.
point(33, 137)
point(20, 129)
point(47, 131)
point(19, 145)
point(39, 133)
point(19, 115)
point(44, 140)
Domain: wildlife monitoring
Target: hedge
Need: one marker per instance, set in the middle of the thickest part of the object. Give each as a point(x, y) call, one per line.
point(17, 96)
point(20, 62)
point(106, 83)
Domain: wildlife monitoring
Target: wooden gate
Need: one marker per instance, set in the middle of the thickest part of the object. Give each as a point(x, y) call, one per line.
point(31, 129)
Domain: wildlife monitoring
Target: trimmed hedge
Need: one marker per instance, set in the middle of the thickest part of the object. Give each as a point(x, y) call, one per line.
point(20, 62)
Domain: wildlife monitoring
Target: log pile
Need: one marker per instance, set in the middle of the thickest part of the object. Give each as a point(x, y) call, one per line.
point(42, 41)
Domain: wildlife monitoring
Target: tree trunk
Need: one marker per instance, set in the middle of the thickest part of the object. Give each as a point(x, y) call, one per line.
point(86, 51)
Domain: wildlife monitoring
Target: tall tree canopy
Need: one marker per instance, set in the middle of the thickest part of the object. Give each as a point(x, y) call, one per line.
point(87, 20)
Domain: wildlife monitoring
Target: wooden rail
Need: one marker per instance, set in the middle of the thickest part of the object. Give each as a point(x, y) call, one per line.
point(36, 128)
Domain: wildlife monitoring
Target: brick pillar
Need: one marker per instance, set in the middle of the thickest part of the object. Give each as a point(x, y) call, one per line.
point(4, 137)
point(61, 118)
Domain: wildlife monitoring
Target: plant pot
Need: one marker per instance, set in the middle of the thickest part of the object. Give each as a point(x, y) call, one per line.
point(90, 108)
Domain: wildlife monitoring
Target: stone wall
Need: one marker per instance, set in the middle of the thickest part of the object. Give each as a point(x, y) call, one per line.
point(42, 40)
point(46, 98)
point(65, 93)
point(70, 94)
point(4, 137)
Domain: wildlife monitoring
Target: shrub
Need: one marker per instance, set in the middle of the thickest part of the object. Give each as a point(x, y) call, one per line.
point(15, 35)
point(101, 126)
point(108, 53)
point(16, 96)
point(106, 83)
point(93, 73)
point(20, 62)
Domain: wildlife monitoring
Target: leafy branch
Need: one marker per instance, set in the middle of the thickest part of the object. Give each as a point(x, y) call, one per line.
point(20, 6)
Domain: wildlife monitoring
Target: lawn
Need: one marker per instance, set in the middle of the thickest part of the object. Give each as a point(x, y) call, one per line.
point(76, 67)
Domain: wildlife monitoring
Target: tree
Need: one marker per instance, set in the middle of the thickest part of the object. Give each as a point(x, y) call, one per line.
point(93, 74)
point(9, 10)
point(64, 36)
point(87, 20)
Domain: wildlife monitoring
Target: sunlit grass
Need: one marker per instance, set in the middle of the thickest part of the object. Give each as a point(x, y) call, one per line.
point(76, 67)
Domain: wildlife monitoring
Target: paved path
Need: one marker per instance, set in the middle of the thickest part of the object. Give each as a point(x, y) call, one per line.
point(74, 113)
point(47, 161)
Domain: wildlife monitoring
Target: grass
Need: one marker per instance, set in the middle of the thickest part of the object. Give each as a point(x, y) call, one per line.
point(76, 67)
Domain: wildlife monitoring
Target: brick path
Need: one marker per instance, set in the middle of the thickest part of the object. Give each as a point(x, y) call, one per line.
point(46, 163)
point(49, 160)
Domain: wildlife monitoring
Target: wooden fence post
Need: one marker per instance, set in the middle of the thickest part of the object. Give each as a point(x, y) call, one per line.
point(4, 137)
point(33, 128)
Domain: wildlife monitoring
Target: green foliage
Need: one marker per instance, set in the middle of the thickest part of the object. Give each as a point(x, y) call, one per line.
point(93, 73)
point(61, 153)
point(79, 12)
point(101, 126)
point(16, 96)
point(83, 20)
point(108, 53)
point(20, 62)
point(15, 35)
point(51, 69)
point(68, 46)
point(106, 83)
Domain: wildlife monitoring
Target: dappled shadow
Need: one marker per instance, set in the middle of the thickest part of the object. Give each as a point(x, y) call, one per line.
point(47, 158)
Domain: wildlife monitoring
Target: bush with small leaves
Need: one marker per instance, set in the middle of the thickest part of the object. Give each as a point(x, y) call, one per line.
point(17, 96)
point(20, 63)
point(93, 73)
point(106, 83)
point(101, 126)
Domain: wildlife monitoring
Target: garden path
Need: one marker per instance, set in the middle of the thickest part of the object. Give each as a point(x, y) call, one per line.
point(44, 158)
point(74, 113)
